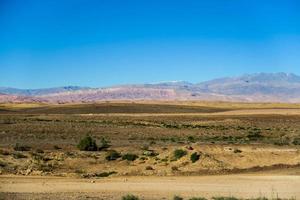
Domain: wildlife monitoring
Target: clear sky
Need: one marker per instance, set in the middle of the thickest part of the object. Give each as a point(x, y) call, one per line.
point(49, 43)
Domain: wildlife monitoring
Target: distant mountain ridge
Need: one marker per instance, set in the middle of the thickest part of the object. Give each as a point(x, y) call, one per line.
point(37, 92)
point(259, 87)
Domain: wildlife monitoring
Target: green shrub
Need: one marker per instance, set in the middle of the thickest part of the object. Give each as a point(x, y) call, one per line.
point(87, 144)
point(195, 157)
point(191, 139)
point(112, 155)
point(19, 147)
point(18, 155)
point(150, 153)
point(104, 144)
point(130, 197)
point(129, 157)
point(198, 198)
point(2, 164)
point(56, 147)
point(179, 153)
point(255, 135)
point(105, 174)
point(39, 151)
point(177, 198)
point(98, 175)
point(296, 141)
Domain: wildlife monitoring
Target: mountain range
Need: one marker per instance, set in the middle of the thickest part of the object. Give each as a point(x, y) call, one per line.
point(259, 87)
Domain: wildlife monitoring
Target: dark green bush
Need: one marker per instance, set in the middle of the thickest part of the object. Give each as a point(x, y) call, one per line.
point(2, 164)
point(130, 197)
point(296, 141)
point(198, 198)
point(56, 147)
point(179, 153)
point(177, 198)
point(39, 151)
point(19, 147)
point(255, 135)
point(98, 175)
point(112, 155)
point(18, 155)
point(195, 157)
point(104, 144)
point(191, 139)
point(87, 144)
point(129, 157)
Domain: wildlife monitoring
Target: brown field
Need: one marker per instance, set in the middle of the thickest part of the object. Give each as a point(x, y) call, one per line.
point(227, 138)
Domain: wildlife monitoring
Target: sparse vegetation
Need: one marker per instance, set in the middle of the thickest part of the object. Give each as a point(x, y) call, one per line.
point(195, 157)
point(39, 151)
point(179, 153)
point(150, 153)
point(152, 139)
point(19, 147)
point(225, 198)
point(2, 163)
point(18, 155)
point(98, 175)
point(112, 155)
point(87, 144)
point(191, 139)
point(296, 141)
point(104, 144)
point(130, 197)
point(56, 147)
point(129, 157)
point(177, 198)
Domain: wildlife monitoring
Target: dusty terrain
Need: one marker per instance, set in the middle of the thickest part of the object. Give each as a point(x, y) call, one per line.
point(39, 142)
point(241, 186)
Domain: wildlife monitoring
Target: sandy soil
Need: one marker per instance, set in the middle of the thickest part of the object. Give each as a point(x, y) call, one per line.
point(246, 186)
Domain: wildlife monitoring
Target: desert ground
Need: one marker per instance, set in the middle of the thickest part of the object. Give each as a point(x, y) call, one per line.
point(154, 150)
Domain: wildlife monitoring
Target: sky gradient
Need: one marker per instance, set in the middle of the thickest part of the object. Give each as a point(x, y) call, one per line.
point(100, 43)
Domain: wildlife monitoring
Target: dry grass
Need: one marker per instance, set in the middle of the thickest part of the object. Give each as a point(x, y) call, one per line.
point(263, 141)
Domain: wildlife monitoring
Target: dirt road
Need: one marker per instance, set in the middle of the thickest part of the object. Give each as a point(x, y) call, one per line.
point(246, 186)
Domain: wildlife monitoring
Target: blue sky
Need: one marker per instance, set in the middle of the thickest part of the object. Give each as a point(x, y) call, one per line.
point(100, 43)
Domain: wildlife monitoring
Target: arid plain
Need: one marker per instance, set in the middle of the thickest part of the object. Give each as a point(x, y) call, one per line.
point(151, 149)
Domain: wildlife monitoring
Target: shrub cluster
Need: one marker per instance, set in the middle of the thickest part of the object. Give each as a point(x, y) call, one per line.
point(19, 147)
point(89, 144)
point(195, 157)
point(130, 197)
point(112, 155)
point(129, 157)
point(179, 153)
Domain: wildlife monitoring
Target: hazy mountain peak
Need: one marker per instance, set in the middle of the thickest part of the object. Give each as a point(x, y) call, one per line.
point(283, 87)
